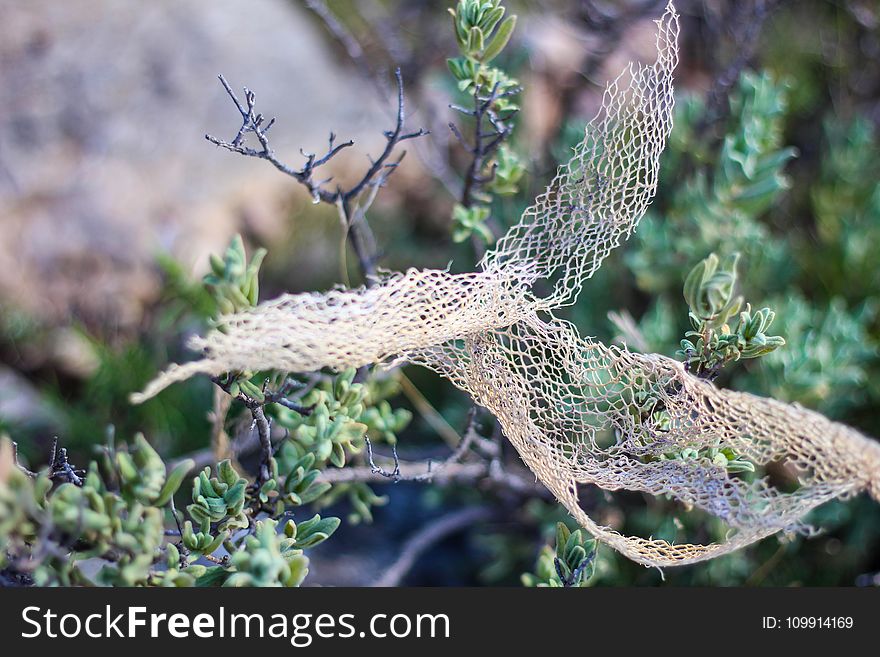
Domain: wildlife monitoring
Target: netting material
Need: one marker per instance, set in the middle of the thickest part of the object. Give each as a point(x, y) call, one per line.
point(577, 411)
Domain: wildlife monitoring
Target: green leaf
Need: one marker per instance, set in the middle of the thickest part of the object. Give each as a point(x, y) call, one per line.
point(694, 282)
point(562, 535)
point(314, 531)
point(214, 576)
point(337, 456)
point(475, 42)
point(491, 18)
point(173, 481)
point(217, 266)
point(500, 40)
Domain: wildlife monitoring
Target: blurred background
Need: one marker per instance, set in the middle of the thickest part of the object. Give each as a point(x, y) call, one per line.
point(111, 201)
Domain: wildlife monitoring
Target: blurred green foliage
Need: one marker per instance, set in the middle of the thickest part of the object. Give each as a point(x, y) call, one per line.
point(54, 524)
point(789, 180)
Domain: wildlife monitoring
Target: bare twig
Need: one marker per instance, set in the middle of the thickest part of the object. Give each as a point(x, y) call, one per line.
point(490, 131)
point(431, 471)
point(394, 137)
point(60, 468)
point(488, 471)
point(263, 432)
point(485, 141)
point(481, 473)
point(255, 123)
point(284, 393)
point(466, 473)
point(375, 469)
point(348, 201)
point(378, 18)
point(451, 470)
point(59, 465)
point(29, 473)
point(260, 422)
point(425, 538)
point(289, 390)
point(66, 471)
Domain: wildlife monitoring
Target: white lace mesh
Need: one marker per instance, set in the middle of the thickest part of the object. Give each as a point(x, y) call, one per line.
point(577, 411)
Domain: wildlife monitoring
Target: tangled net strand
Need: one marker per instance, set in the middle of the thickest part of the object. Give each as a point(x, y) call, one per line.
point(577, 411)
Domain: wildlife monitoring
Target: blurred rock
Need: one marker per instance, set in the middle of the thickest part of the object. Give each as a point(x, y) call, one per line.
point(103, 162)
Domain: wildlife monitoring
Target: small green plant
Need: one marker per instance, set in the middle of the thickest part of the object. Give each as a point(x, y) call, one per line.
point(270, 558)
point(327, 430)
point(326, 421)
point(470, 221)
point(234, 282)
point(571, 564)
point(712, 342)
point(482, 33)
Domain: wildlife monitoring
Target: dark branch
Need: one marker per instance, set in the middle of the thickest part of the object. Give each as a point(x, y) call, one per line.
point(59, 465)
point(490, 131)
point(347, 200)
point(260, 421)
point(394, 137)
point(431, 471)
point(375, 469)
point(253, 123)
point(29, 473)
